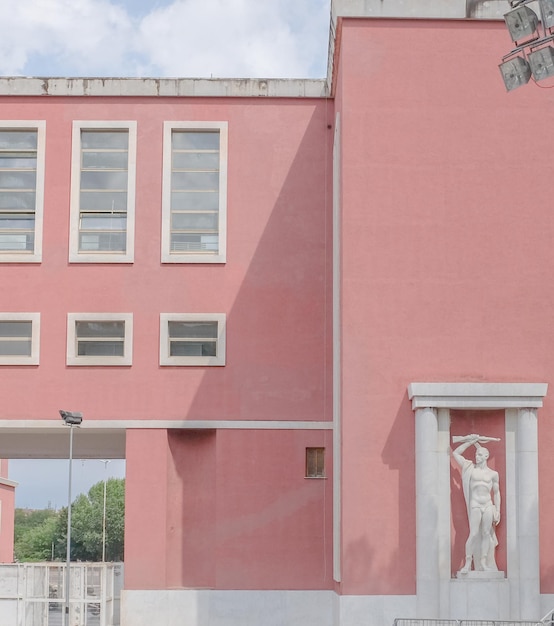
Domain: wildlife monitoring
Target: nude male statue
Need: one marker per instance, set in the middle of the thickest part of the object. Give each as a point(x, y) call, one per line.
point(483, 512)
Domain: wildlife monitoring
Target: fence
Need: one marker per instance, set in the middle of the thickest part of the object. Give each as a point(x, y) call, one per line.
point(33, 594)
point(469, 622)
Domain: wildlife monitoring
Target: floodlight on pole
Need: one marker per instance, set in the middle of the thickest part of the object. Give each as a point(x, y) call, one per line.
point(522, 23)
point(71, 419)
point(542, 62)
point(547, 13)
point(515, 72)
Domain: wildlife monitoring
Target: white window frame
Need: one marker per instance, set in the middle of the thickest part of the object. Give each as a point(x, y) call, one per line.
point(191, 257)
point(40, 127)
point(102, 257)
point(33, 359)
point(166, 359)
point(72, 356)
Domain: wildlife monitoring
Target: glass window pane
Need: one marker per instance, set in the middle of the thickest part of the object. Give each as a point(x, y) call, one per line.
point(16, 328)
point(102, 242)
point(18, 139)
point(192, 329)
point(102, 180)
point(194, 221)
point(181, 242)
point(15, 348)
point(14, 160)
point(197, 201)
point(105, 160)
point(196, 161)
point(101, 221)
point(17, 200)
point(15, 179)
point(100, 329)
point(192, 348)
point(103, 201)
point(195, 180)
point(12, 221)
point(23, 242)
point(100, 348)
point(118, 139)
point(195, 140)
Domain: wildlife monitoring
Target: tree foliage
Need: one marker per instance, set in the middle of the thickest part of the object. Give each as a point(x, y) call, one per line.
point(46, 531)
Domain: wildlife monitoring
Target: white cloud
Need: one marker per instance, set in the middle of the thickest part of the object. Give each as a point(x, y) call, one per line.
point(190, 38)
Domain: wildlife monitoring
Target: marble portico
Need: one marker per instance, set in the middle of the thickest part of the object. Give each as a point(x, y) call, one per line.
point(438, 594)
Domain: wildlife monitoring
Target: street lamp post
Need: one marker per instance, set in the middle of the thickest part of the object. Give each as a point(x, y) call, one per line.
point(70, 419)
point(104, 514)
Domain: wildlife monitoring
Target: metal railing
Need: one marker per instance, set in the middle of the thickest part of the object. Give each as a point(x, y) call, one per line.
point(547, 620)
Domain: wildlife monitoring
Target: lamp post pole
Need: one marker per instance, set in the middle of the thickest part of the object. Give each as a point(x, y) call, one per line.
point(104, 514)
point(71, 419)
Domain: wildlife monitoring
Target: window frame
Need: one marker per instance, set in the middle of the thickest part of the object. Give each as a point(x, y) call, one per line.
point(190, 257)
point(73, 357)
point(319, 461)
point(75, 209)
point(34, 357)
point(40, 126)
point(194, 361)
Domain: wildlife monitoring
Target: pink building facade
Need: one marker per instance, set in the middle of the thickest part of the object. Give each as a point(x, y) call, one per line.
point(278, 301)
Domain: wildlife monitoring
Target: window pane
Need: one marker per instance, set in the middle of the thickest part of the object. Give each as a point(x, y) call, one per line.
point(195, 140)
point(181, 242)
point(15, 160)
point(192, 329)
point(103, 201)
point(100, 348)
point(17, 200)
point(315, 462)
point(102, 242)
point(16, 329)
point(192, 348)
point(17, 242)
point(197, 201)
point(14, 179)
point(100, 329)
point(194, 221)
point(196, 181)
point(15, 348)
point(103, 180)
point(196, 160)
point(118, 139)
point(101, 221)
point(23, 221)
point(105, 160)
point(18, 139)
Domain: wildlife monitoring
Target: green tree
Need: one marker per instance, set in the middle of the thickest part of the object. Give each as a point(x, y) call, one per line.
point(87, 519)
point(35, 534)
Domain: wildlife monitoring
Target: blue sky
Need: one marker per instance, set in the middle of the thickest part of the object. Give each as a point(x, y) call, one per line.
point(160, 38)
point(169, 38)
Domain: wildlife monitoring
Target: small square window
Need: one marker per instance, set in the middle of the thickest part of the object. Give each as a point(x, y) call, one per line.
point(192, 339)
point(19, 338)
point(315, 462)
point(99, 339)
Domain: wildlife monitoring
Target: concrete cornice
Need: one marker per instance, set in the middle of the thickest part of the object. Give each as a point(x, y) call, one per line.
point(450, 395)
point(164, 87)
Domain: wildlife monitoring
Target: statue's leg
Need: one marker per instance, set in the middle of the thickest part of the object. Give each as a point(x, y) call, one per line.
point(474, 524)
point(486, 537)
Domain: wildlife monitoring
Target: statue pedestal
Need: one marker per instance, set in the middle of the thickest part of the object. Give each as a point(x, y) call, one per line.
point(476, 575)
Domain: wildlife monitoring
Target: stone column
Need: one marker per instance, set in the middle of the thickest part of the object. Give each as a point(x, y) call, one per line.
point(427, 513)
point(528, 512)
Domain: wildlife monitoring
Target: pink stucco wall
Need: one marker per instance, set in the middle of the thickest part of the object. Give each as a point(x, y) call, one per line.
point(446, 261)
point(7, 508)
point(276, 270)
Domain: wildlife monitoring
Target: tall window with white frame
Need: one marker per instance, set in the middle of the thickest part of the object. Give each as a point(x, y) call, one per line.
point(103, 192)
point(21, 190)
point(195, 192)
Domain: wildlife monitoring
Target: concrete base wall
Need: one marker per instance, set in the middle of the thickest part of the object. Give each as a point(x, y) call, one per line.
point(190, 607)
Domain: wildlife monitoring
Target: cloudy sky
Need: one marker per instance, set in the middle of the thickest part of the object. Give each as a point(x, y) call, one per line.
point(160, 38)
point(170, 38)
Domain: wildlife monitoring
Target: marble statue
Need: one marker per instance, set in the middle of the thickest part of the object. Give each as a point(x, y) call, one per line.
point(482, 495)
